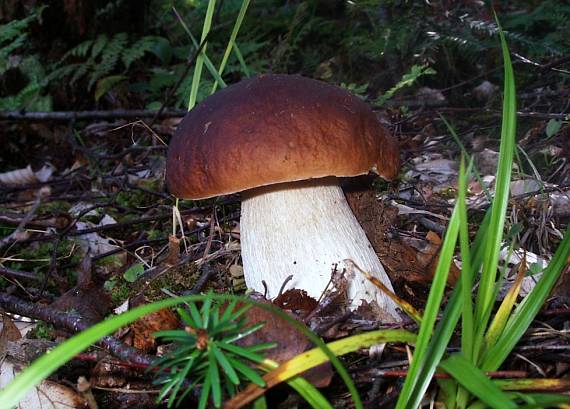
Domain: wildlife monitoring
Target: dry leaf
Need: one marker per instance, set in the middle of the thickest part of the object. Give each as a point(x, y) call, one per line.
point(144, 328)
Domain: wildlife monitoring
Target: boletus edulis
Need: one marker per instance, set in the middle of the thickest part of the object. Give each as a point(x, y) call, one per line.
point(282, 141)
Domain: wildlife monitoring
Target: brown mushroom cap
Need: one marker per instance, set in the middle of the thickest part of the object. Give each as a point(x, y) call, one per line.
point(272, 129)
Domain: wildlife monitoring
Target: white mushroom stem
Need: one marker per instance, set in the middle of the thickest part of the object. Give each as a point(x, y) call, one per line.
point(304, 229)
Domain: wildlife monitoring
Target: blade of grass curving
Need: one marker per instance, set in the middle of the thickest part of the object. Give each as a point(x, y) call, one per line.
point(45, 365)
point(502, 315)
point(241, 60)
point(476, 382)
point(448, 322)
point(231, 42)
point(536, 384)
point(466, 273)
point(465, 154)
point(303, 388)
point(207, 62)
point(431, 310)
point(200, 60)
point(543, 400)
point(436, 348)
point(467, 323)
point(314, 357)
point(309, 393)
point(485, 295)
point(525, 312)
point(260, 403)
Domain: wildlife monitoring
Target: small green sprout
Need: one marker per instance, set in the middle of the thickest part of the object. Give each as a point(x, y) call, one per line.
point(205, 354)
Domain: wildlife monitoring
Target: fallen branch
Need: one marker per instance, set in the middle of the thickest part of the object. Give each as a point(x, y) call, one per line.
point(82, 115)
point(8, 272)
point(15, 235)
point(74, 323)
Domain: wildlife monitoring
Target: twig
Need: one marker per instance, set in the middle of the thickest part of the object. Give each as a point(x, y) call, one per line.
point(14, 235)
point(17, 273)
point(84, 115)
point(74, 323)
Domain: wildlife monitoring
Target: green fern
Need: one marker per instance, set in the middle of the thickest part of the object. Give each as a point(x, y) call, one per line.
point(13, 35)
point(110, 56)
point(139, 49)
point(104, 57)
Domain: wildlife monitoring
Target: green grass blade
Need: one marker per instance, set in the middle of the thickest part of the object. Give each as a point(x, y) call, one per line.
point(200, 60)
point(181, 379)
point(228, 311)
point(241, 60)
point(308, 392)
point(45, 365)
point(437, 347)
point(449, 319)
point(525, 312)
point(207, 62)
point(469, 158)
point(467, 322)
point(485, 295)
point(231, 42)
point(431, 311)
point(501, 317)
point(544, 400)
point(260, 403)
point(476, 382)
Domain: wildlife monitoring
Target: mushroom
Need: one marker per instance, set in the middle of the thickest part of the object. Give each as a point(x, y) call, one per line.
point(283, 141)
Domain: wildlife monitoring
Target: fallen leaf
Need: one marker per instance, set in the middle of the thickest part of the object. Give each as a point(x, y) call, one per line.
point(143, 329)
point(290, 342)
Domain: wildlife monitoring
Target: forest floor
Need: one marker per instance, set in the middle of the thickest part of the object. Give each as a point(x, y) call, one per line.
point(87, 230)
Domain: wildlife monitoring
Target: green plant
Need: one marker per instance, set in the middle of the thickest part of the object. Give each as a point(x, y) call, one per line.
point(105, 61)
point(485, 342)
point(47, 364)
point(407, 80)
point(205, 353)
point(13, 38)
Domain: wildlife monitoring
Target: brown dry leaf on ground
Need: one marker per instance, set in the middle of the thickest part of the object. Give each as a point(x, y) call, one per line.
point(9, 332)
point(290, 341)
point(142, 330)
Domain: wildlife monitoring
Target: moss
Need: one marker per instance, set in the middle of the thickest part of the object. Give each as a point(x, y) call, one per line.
point(134, 198)
point(155, 234)
point(57, 206)
point(176, 279)
point(119, 289)
point(42, 330)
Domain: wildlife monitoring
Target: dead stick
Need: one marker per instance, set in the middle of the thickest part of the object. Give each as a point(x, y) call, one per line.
point(14, 235)
point(74, 323)
point(91, 115)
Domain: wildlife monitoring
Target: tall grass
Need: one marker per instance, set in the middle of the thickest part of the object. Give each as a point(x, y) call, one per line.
point(484, 346)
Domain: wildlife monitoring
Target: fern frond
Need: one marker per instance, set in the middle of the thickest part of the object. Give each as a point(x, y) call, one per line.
point(109, 58)
point(138, 50)
point(100, 43)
